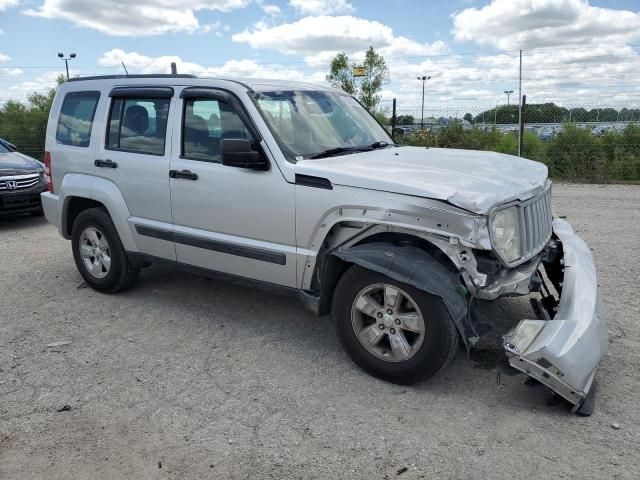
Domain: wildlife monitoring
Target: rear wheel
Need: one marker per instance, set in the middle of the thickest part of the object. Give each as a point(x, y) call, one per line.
point(99, 254)
point(390, 329)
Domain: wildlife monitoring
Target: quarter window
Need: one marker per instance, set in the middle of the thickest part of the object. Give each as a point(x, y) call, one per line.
point(206, 122)
point(138, 125)
point(76, 118)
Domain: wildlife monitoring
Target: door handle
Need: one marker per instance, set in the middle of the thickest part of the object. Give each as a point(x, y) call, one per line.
point(185, 174)
point(105, 163)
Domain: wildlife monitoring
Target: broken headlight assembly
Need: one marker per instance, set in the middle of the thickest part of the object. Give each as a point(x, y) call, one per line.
point(505, 233)
point(520, 338)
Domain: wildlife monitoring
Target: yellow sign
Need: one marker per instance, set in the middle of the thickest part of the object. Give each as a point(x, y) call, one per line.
point(358, 71)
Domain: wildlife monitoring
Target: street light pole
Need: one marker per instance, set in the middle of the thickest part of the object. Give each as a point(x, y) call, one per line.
point(508, 92)
point(424, 79)
point(66, 60)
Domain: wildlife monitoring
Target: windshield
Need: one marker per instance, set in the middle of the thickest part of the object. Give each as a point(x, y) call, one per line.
point(315, 124)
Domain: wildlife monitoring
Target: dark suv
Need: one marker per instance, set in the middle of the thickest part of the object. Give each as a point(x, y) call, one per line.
point(21, 182)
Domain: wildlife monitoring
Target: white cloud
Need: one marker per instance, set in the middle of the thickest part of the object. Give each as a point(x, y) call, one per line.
point(12, 71)
point(40, 84)
point(4, 4)
point(513, 24)
point(321, 7)
point(320, 38)
point(4, 57)
point(271, 9)
point(140, 18)
point(245, 68)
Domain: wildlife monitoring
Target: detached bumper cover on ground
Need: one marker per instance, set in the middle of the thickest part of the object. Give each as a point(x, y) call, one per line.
point(563, 353)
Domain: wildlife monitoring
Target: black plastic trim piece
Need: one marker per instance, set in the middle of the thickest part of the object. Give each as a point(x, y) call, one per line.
point(141, 92)
point(232, 249)
point(155, 233)
point(315, 182)
point(214, 245)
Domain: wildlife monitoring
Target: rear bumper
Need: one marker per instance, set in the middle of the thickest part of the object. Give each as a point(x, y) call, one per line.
point(563, 352)
point(51, 208)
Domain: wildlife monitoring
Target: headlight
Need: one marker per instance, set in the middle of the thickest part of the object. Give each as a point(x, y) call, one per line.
point(505, 233)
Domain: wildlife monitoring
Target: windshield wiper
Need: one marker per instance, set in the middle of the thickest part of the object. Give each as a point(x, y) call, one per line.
point(382, 144)
point(362, 148)
point(338, 150)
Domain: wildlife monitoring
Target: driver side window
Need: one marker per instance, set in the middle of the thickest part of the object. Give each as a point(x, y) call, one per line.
point(205, 123)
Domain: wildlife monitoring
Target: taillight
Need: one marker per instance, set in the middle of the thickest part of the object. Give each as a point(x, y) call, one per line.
point(47, 171)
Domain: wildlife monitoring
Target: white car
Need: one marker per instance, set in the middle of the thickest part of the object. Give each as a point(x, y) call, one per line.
point(296, 187)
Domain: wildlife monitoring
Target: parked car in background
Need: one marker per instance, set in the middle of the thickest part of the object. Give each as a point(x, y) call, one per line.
point(21, 182)
point(299, 189)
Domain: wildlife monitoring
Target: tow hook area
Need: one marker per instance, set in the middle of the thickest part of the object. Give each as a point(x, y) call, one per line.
point(562, 347)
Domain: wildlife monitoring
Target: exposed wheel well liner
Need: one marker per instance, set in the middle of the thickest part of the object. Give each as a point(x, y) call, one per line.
point(330, 268)
point(408, 259)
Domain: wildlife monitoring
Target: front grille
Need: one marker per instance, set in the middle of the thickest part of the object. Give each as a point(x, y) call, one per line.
point(535, 223)
point(19, 182)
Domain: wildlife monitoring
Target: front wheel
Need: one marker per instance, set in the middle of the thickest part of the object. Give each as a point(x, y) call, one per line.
point(99, 254)
point(390, 329)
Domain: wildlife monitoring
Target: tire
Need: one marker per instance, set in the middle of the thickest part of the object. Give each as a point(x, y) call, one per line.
point(113, 276)
point(426, 357)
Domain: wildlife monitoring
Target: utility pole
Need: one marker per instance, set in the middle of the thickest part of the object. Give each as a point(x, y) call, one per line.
point(508, 92)
point(520, 108)
point(66, 60)
point(424, 79)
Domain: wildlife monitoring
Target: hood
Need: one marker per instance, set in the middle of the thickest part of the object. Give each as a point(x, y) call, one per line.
point(15, 163)
point(469, 179)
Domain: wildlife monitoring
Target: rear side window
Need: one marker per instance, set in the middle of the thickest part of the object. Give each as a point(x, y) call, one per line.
point(138, 125)
point(76, 118)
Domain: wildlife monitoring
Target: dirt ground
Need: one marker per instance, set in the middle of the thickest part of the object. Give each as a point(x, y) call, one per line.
point(183, 377)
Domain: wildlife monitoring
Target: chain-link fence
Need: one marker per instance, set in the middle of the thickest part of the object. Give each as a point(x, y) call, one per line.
point(579, 143)
point(29, 141)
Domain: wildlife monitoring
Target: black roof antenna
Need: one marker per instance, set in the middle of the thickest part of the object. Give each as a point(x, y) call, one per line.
point(174, 69)
point(125, 69)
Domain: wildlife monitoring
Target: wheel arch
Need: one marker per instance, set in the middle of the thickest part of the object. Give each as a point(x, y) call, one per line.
point(81, 192)
point(406, 257)
point(329, 267)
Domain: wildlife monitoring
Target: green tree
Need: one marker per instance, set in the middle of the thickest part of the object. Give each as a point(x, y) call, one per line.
point(468, 117)
point(405, 120)
point(376, 74)
point(366, 87)
point(25, 124)
point(341, 73)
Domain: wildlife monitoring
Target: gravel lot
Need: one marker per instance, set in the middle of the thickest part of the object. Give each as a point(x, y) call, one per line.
point(184, 377)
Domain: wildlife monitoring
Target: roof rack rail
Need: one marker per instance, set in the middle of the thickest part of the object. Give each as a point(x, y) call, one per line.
point(152, 75)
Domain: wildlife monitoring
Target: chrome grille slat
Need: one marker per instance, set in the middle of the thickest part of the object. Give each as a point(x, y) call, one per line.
point(22, 182)
point(537, 226)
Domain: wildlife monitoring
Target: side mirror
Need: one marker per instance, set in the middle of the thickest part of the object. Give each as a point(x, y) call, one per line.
point(237, 152)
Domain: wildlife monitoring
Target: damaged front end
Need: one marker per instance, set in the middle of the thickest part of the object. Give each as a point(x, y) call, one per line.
point(562, 348)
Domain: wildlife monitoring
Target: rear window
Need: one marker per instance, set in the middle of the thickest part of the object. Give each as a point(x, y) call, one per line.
point(76, 118)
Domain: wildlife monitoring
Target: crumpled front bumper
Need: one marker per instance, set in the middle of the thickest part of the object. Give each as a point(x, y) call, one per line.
point(563, 352)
